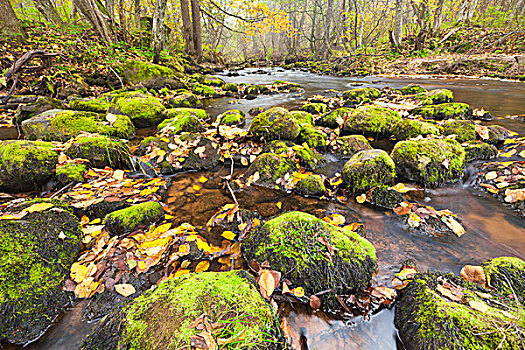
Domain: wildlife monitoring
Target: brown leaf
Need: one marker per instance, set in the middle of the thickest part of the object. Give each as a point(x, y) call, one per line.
point(266, 283)
point(315, 302)
point(479, 305)
point(474, 274)
point(449, 293)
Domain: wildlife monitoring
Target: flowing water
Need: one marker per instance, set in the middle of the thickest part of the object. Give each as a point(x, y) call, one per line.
point(492, 228)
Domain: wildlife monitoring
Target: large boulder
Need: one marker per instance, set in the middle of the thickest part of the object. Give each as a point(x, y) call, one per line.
point(368, 169)
point(184, 120)
point(61, 125)
point(275, 124)
point(312, 136)
point(315, 108)
point(429, 162)
point(335, 118)
point(292, 244)
point(135, 71)
point(303, 117)
point(184, 99)
point(101, 151)
point(347, 146)
point(444, 111)
point(42, 104)
point(312, 185)
point(434, 97)
point(38, 250)
point(360, 95)
point(411, 89)
point(477, 150)
point(371, 121)
point(142, 109)
point(26, 165)
point(233, 117)
point(408, 129)
point(129, 219)
point(165, 317)
point(271, 167)
point(99, 104)
point(463, 130)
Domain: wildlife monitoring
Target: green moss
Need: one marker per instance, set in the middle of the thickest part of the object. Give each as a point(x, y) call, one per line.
point(315, 108)
point(275, 124)
point(136, 71)
point(97, 105)
point(231, 87)
point(70, 172)
point(371, 120)
point(335, 118)
point(412, 89)
point(303, 117)
point(204, 90)
point(232, 117)
point(349, 145)
point(255, 89)
point(312, 185)
point(507, 275)
point(210, 80)
point(101, 151)
point(312, 136)
point(429, 162)
point(143, 110)
point(434, 97)
point(408, 129)
point(26, 165)
point(184, 120)
point(368, 169)
point(477, 150)
point(128, 219)
point(276, 147)
point(307, 157)
point(444, 111)
point(271, 167)
point(361, 95)
point(464, 130)
point(184, 99)
point(281, 85)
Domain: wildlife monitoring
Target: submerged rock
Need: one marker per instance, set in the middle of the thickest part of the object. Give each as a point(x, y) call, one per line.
point(275, 124)
point(408, 129)
point(477, 150)
point(312, 186)
point(290, 244)
point(37, 253)
point(270, 168)
point(429, 162)
point(464, 130)
point(42, 104)
point(101, 151)
point(315, 108)
point(142, 109)
point(232, 117)
point(335, 118)
point(444, 111)
point(162, 318)
point(411, 89)
point(61, 125)
point(371, 121)
point(360, 95)
point(127, 220)
point(349, 145)
point(368, 169)
point(26, 165)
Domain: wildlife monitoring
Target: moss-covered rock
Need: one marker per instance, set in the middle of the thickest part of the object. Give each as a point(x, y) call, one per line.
point(275, 124)
point(142, 109)
point(129, 219)
point(464, 130)
point(184, 120)
point(271, 167)
point(42, 104)
point(210, 80)
point(286, 86)
point(478, 150)
point(360, 95)
point(443, 111)
point(291, 244)
point(255, 89)
point(315, 108)
point(162, 319)
point(70, 172)
point(184, 99)
point(231, 87)
point(312, 186)
point(61, 125)
point(411, 89)
point(498, 134)
point(368, 169)
point(312, 136)
point(426, 319)
point(204, 90)
point(26, 165)
point(429, 162)
point(384, 196)
point(371, 120)
point(135, 71)
point(307, 157)
point(101, 151)
point(303, 117)
point(98, 105)
point(349, 145)
point(37, 253)
point(232, 117)
point(408, 129)
point(507, 275)
point(335, 118)
point(434, 97)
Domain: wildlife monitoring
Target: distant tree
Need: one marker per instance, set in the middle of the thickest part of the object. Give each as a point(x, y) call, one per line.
point(9, 24)
point(187, 30)
point(48, 10)
point(158, 28)
point(98, 16)
point(197, 31)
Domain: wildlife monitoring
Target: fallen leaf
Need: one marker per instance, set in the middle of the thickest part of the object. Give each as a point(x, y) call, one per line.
point(202, 266)
point(229, 235)
point(474, 274)
point(478, 305)
point(453, 225)
point(361, 199)
point(111, 118)
point(298, 292)
point(458, 296)
point(78, 272)
point(279, 205)
point(266, 283)
point(118, 175)
point(39, 207)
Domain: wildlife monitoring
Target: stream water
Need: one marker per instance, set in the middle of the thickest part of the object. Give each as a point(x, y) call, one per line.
point(492, 229)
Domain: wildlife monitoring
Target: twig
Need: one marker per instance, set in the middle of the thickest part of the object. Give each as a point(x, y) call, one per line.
point(6, 97)
point(62, 189)
point(121, 83)
point(228, 183)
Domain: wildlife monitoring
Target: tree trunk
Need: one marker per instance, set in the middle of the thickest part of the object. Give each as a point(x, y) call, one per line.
point(518, 9)
point(90, 9)
point(110, 6)
point(328, 27)
point(47, 9)
point(73, 12)
point(9, 25)
point(397, 33)
point(136, 8)
point(187, 30)
point(438, 17)
point(122, 17)
point(197, 35)
point(158, 30)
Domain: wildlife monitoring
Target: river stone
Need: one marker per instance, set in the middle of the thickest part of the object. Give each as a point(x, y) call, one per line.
point(101, 151)
point(335, 118)
point(408, 129)
point(127, 220)
point(478, 150)
point(42, 104)
point(61, 125)
point(434, 97)
point(26, 165)
point(349, 145)
point(367, 169)
point(135, 71)
point(99, 104)
point(312, 136)
point(37, 253)
point(290, 244)
point(371, 121)
point(411, 89)
point(183, 120)
point(464, 130)
point(507, 275)
point(498, 134)
point(143, 110)
point(312, 186)
point(184, 99)
point(315, 108)
point(162, 318)
point(275, 124)
point(429, 162)
point(360, 95)
point(70, 172)
point(233, 117)
point(303, 117)
point(271, 167)
point(444, 111)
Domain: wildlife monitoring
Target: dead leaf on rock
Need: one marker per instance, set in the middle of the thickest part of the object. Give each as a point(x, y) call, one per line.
point(474, 274)
point(125, 289)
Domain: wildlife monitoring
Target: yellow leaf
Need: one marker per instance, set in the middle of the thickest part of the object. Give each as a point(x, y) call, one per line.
point(204, 246)
point(298, 292)
point(479, 305)
point(125, 289)
point(62, 158)
point(78, 272)
point(361, 199)
point(10, 217)
point(196, 187)
point(156, 243)
point(118, 175)
point(163, 228)
point(229, 235)
point(148, 191)
point(203, 179)
point(279, 205)
point(181, 272)
point(453, 225)
point(491, 175)
point(168, 217)
point(202, 266)
point(266, 283)
point(39, 207)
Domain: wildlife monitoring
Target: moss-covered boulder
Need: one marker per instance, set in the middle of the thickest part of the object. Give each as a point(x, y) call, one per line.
point(371, 121)
point(303, 117)
point(42, 104)
point(444, 111)
point(275, 124)
point(26, 165)
point(312, 136)
point(184, 120)
point(286, 86)
point(411, 89)
point(478, 150)
point(204, 90)
point(135, 71)
point(335, 118)
point(408, 129)
point(360, 95)
point(101, 151)
point(271, 167)
point(498, 134)
point(312, 186)
point(142, 109)
point(210, 80)
point(37, 253)
point(184, 99)
point(164, 318)
point(61, 125)
point(434, 97)
point(368, 169)
point(349, 145)
point(291, 244)
point(315, 108)
point(232, 117)
point(507, 275)
point(429, 162)
point(384, 196)
point(129, 219)
point(437, 311)
point(464, 130)
point(255, 89)
point(231, 87)
point(308, 158)
point(99, 104)
point(70, 172)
